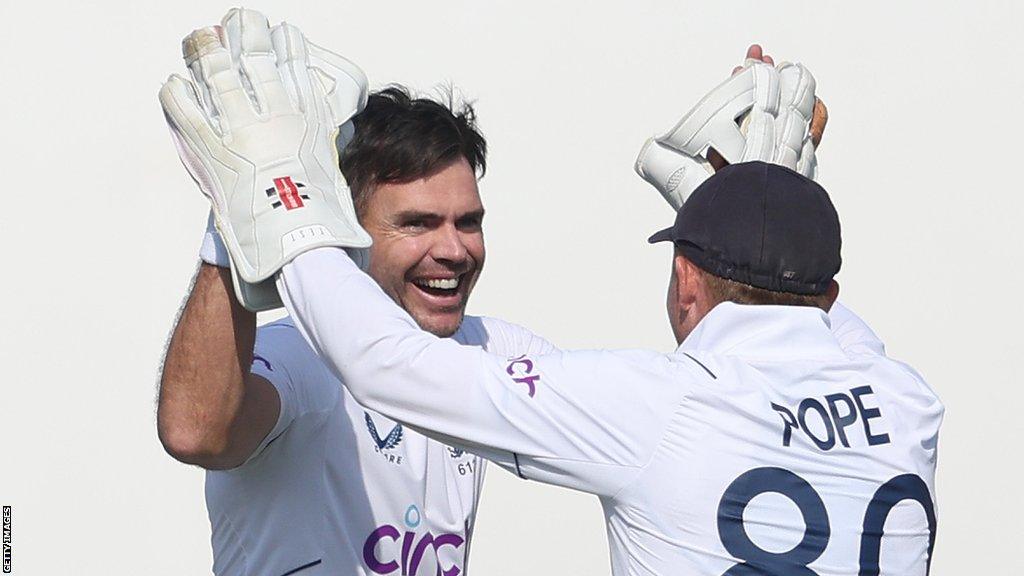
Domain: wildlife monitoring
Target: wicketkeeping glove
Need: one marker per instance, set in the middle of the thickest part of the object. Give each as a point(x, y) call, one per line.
point(257, 132)
point(760, 113)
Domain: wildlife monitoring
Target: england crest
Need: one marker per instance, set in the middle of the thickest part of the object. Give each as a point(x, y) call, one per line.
point(394, 437)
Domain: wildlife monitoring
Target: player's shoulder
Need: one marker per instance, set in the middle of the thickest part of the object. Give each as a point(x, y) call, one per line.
point(282, 329)
point(500, 337)
point(282, 340)
point(478, 329)
point(904, 382)
point(641, 368)
point(283, 333)
point(281, 349)
point(852, 333)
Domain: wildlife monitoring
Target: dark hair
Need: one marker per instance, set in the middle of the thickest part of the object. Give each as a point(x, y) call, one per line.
point(399, 138)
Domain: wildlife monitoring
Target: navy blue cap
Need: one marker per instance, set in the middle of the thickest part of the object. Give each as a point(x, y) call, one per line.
point(763, 225)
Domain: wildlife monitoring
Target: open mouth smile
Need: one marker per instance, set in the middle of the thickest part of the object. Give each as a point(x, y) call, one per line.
point(443, 291)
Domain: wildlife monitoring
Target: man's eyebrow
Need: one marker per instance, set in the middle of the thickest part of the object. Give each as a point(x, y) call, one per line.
point(416, 215)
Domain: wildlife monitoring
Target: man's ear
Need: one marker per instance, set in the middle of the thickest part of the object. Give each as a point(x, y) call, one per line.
point(686, 279)
point(832, 293)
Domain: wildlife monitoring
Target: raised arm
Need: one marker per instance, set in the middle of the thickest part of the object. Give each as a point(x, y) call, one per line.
point(243, 136)
point(212, 411)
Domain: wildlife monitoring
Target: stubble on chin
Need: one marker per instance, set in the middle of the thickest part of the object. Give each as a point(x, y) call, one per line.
point(441, 328)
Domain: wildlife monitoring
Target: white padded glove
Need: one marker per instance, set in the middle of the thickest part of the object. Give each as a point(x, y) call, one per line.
point(760, 113)
point(257, 132)
point(263, 295)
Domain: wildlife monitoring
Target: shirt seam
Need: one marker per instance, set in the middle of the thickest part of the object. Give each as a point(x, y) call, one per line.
point(657, 449)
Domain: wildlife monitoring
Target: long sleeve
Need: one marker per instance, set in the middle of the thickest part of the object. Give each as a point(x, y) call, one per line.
point(588, 420)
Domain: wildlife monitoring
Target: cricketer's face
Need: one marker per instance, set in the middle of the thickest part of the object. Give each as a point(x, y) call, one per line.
point(428, 244)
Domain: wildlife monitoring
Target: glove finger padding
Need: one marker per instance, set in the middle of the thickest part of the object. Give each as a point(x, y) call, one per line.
point(201, 42)
point(343, 88)
point(712, 122)
point(219, 80)
point(247, 35)
point(761, 113)
point(807, 165)
point(676, 163)
point(344, 83)
point(190, 128)
point(794, 148)
point(330, 90)
point(294, 70)
point(757, 125)
point(675, 175)
point(268, 164)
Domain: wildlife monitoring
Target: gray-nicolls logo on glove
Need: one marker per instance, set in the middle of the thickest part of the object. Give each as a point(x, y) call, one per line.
point(287, 193)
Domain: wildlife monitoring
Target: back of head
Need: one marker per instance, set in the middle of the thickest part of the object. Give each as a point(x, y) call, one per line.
point(399, 138)
point(724, 290)
point(753, 233)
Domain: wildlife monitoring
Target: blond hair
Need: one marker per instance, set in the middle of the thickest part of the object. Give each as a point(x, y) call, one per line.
point(725, 290)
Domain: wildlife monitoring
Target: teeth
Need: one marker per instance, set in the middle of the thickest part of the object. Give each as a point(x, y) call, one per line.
point(443, 284)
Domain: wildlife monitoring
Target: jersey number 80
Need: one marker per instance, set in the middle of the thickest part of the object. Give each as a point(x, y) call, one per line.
point(757, 561)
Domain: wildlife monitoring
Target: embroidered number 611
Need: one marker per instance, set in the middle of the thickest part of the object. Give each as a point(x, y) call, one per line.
point(757, 561)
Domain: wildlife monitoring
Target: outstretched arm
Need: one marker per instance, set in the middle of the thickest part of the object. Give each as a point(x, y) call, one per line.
point(587, 419)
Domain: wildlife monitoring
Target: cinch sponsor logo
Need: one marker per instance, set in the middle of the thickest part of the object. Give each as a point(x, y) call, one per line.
point(409, 556)
point(383, 446)
point(521, 370)
point(287, 193)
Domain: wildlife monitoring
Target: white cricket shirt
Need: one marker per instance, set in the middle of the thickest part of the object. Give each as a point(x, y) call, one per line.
point(339, 489)
point(762, 445)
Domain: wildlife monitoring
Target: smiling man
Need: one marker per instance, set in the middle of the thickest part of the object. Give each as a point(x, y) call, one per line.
point(416, 194)
point(301, 478)
point(428, 243)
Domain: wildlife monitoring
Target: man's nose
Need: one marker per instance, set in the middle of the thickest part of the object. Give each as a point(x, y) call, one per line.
point(449, 246)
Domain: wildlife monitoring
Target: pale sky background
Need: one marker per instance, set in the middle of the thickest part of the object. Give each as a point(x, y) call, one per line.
point(100, 227)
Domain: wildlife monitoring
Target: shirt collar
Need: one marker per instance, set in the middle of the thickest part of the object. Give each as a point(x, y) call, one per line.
point(761, 331)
